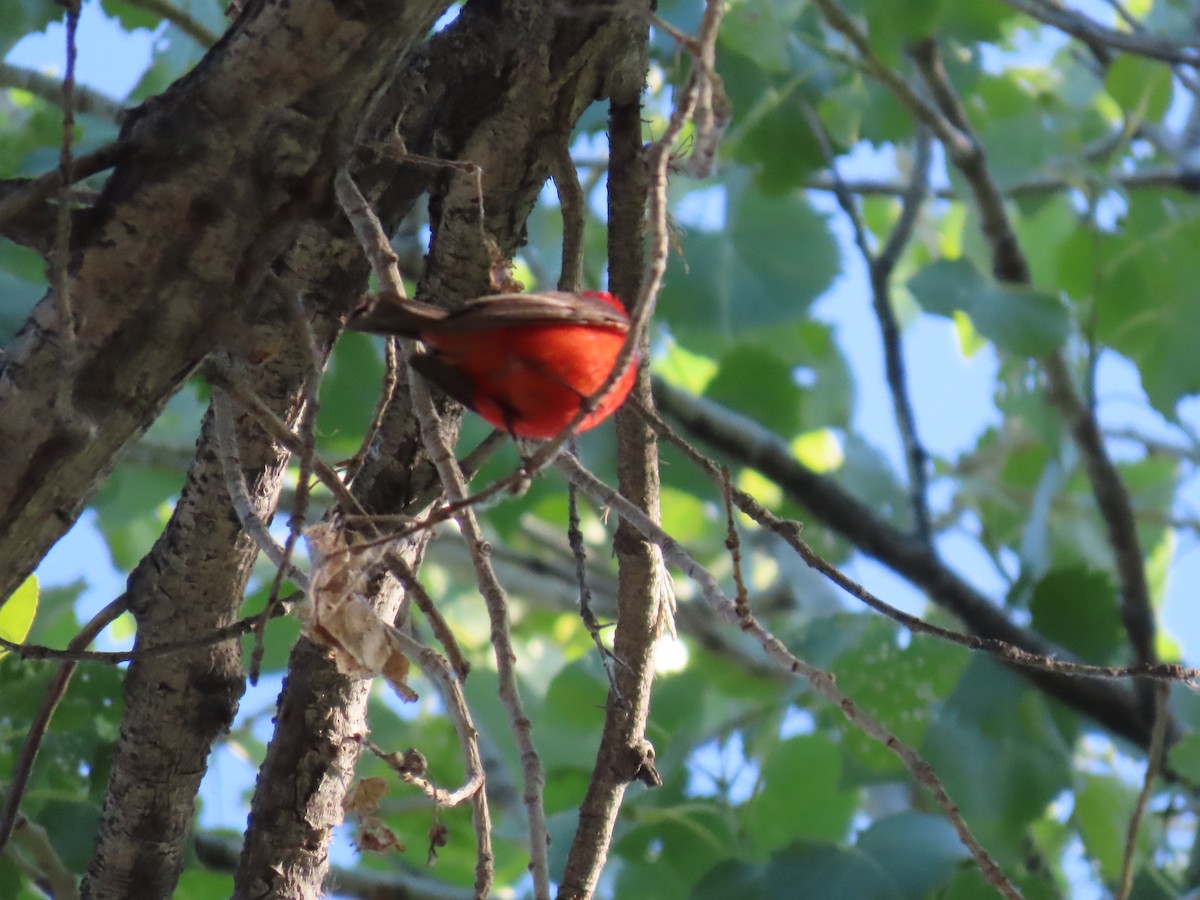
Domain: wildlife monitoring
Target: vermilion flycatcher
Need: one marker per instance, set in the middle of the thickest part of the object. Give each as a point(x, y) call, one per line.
point(524, 362)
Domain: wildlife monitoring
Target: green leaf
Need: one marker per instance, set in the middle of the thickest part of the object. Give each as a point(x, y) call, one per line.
point(1000, 754)
point(348, 394)
point(1141, 86)
point(798, 797)
point(72, 828)
point(760, 31)
point(828, 872)
point(764, 270)
point(895, 24)
point(1077, 608)
point(201, 884)
point(130, 15)
point(1146, 300)
point(132, 508)
point(1047, 234)
point(758, 384)
point(25, 17)
point(778, 143)
point(867, 473)
point(972, 22)
point(1103, 805)
point(1185, 757)
point(918, 851)
point(730, 878)
point(1022, 321)
point(572, 716)
point(659, 856)
point(16, 615)
point(906, 701)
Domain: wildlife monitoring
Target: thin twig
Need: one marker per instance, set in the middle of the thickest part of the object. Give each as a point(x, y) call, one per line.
point(1116, 509)
point(439, 670)
point(501, 637)
point(62, 245)
point(579, 553)
point(220, 374)
point(46, 868)
point(239, 493)
point(955, 142)
point(116, 657)
point(1154, 764)
point(308, 452)
point(571, 202)
point(733, 545)
point(1009, 265)
point(1008, 262)
point(190, 26)
point(1180, 177)
point(295, 530)
point(387, 391)
point(880, 269)
point(441, 630)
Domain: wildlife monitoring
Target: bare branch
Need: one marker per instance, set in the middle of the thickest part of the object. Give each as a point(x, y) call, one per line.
point(239, 494)
point(1155, 758)
point(61, 258)
point(31, 192)
point(1080, 26)
point(1180, 177)
point(190, 26)
point(880, 269)
point(1008, 262)
point(572, 203)
point(84, 99)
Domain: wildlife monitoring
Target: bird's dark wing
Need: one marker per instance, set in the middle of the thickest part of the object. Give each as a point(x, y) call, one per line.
point(452, 381)
point(540, 308)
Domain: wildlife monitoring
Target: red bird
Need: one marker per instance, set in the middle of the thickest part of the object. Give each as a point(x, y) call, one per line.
point(524, 362)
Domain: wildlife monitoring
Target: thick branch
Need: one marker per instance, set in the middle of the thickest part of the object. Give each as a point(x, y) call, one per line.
point(191, 583)
point(224, 171)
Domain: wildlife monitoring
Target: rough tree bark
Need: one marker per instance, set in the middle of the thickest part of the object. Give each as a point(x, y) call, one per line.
point(220, 173)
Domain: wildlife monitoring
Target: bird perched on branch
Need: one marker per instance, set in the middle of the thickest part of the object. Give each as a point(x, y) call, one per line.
point(527, 363)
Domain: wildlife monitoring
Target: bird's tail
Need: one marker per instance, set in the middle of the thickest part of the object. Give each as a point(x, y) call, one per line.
point(386, 314)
